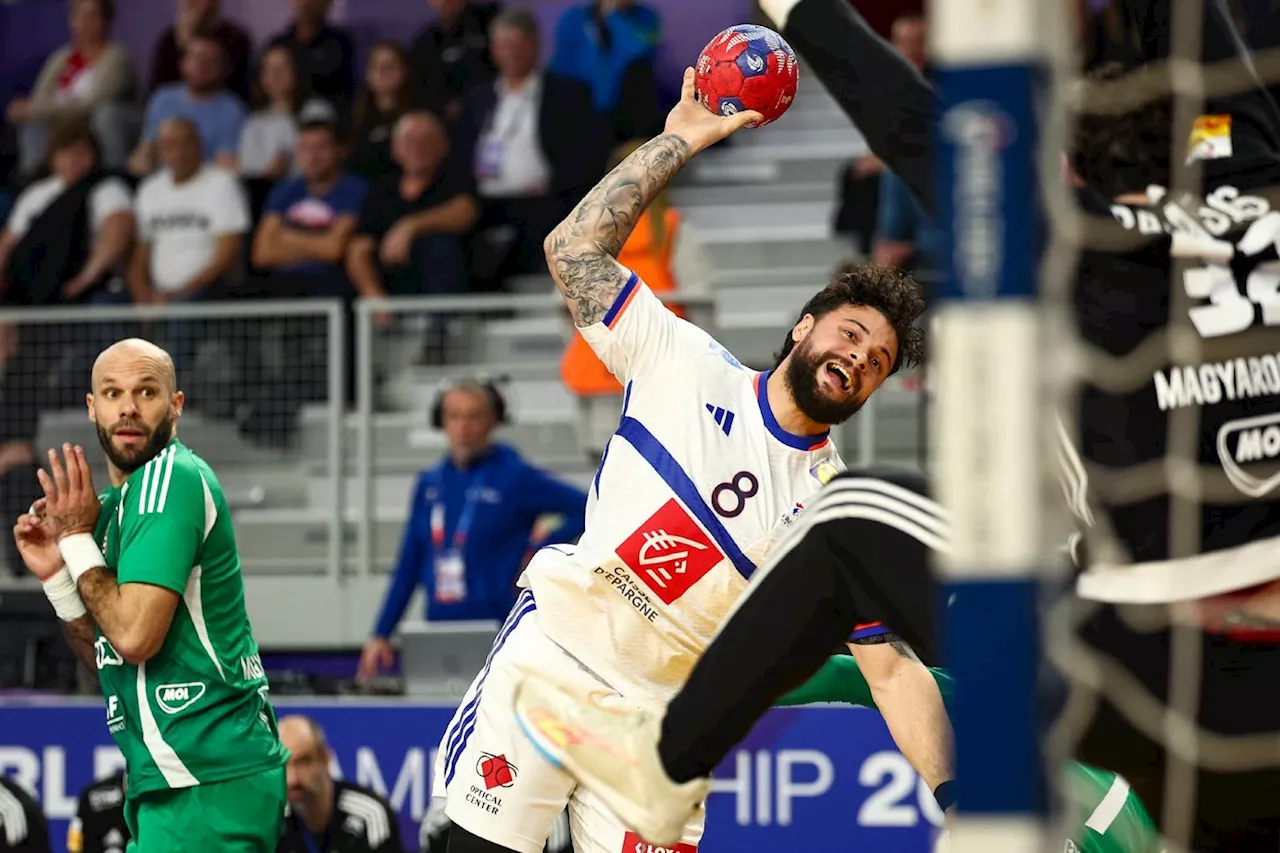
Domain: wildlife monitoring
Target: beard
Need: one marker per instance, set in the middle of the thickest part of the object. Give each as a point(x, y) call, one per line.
point(129, 460)
point(810, 397)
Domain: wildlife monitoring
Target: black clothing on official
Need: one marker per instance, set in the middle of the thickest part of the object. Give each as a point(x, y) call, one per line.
point(362, 822)
point(23, 828)
point(99, 825)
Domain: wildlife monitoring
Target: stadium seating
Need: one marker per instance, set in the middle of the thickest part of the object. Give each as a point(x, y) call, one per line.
point(762, 209)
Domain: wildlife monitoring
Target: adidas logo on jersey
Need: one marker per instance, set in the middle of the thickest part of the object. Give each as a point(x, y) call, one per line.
point(173, 698)
point(723, 417)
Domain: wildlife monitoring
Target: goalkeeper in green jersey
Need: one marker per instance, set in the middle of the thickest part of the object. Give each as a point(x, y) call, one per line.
point(1104, 815)
point(146, 579)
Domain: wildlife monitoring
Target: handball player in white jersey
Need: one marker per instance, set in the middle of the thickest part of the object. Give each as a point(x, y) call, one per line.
point(709, 467)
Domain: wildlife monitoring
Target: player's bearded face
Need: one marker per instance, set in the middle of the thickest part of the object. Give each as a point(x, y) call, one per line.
point(130, 444)
point(816, 398)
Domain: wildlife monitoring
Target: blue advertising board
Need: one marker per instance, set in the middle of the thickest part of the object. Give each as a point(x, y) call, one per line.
point(819, 778)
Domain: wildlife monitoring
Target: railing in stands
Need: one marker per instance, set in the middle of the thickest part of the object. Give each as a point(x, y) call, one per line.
point(316, 421)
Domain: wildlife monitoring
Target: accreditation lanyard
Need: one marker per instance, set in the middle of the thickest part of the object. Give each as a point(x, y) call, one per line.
point(449, 567)
point(465, 520)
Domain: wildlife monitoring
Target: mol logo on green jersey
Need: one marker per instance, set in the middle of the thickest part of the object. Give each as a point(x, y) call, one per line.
point(173, 698)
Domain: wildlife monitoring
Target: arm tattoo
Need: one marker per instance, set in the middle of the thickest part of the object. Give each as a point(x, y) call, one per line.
point(581, 249)
point(80, 636)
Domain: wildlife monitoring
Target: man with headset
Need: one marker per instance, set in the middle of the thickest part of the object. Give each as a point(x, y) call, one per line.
point(472, 521)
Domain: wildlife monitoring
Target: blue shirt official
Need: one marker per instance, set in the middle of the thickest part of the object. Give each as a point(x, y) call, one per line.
point(483, 514)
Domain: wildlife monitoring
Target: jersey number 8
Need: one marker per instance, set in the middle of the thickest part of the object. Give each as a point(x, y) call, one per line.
point(730, 499)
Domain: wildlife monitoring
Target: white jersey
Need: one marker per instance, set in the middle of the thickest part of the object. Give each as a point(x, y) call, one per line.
point(695, 487)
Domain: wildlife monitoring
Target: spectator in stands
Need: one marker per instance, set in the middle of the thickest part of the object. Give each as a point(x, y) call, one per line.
point(63, 243)
point(862, 180)
point(68, 233)
point(409, 237)
point(192, 218)
point(270, 135)
point(537, 147)
point(99, 825)
point(298, 250)
point(472, 521)
point(202, 18)
point(91, 79)
point(327, 814)
point(610, 46)
point(217, 114)
point(309, 220)
point(905, 237)
point(25, 356)
point(24, 828)
point(382, 100)
point(192, 222)
point(452, 54)
point(325, 55)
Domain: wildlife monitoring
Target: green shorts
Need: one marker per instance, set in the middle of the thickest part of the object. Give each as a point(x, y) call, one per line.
point(242, 815)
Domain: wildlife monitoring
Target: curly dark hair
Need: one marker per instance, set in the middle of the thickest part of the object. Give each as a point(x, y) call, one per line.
point(1126, 152)
point(890, 291)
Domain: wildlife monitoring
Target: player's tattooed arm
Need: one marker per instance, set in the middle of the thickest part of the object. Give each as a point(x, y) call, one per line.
point(581, 249)
point(135, 617)
point(80, 636)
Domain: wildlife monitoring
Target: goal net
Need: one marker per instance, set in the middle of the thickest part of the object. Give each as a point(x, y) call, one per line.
point(1110, 178)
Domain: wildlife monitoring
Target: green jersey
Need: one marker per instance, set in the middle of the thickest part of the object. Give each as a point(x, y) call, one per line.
point(197, 711)
point(1105, 816)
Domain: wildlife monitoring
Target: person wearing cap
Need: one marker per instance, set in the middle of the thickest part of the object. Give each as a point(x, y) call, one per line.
point(298, 251)
point(310, 218)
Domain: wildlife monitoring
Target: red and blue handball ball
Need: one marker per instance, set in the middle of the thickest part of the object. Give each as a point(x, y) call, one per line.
point(748, 68)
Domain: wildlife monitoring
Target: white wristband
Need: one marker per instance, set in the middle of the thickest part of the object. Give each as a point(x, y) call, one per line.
point(81, 554)
point(62, 594)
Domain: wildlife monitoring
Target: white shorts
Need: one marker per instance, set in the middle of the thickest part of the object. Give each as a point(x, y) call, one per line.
point(496, 784)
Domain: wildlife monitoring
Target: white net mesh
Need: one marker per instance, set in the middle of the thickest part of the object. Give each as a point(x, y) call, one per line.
point(1170, 432)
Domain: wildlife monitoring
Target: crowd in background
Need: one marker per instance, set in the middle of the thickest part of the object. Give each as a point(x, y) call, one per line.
point(282, 170)
point(455, 153)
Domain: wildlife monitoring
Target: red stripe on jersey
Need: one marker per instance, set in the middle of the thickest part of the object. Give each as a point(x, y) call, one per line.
point(617, 315)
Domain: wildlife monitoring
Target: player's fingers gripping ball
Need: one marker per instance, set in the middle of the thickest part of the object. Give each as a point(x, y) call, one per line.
point(748, 68)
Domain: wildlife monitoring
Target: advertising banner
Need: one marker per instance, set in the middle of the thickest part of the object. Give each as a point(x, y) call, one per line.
point(819, 778)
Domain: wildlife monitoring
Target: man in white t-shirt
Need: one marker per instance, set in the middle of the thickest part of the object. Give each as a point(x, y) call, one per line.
point(45, 208)
point(192, 219)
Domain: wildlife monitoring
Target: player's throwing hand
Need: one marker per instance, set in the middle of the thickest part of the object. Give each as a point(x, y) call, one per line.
point(699, 127)
point(71, 502)
point(36, 544)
